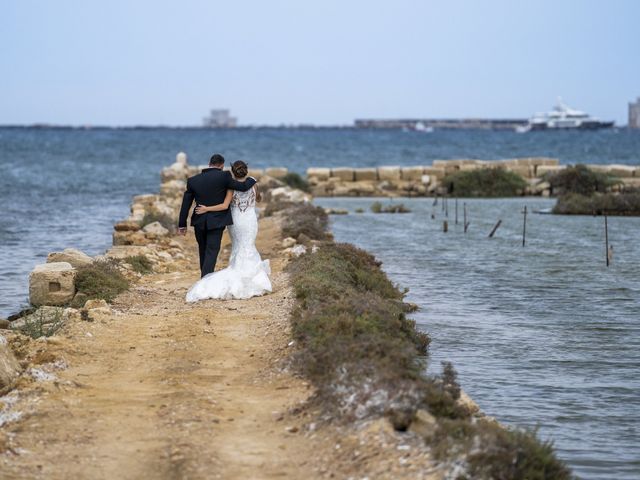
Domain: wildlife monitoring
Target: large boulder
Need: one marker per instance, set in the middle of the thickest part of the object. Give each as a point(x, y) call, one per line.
point(72, 256)
point(289, 194)
point(52, 284)
point(276, 172)
point(9, 367)
point(43, 317)
point(173, 187)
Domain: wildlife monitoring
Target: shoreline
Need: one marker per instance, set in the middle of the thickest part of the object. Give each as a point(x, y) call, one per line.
point(67, 365)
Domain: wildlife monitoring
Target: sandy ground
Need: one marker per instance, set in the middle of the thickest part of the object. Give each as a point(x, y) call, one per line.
point(162, 389)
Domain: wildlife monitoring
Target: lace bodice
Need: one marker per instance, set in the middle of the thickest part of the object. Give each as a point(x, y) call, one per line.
point(244, 200)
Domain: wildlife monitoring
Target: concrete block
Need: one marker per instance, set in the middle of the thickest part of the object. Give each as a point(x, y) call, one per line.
point(321, 174)
point(541, 170)
point(412, 173)
point(522, 170)
point(389, 173)
point(276, 172)
point(343, 173)
point(622, 171)
point(366, 174)
point(546, 161)
point(434, 172)
point(52, 284)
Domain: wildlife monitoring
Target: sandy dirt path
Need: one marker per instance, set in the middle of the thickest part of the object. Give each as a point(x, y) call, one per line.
point(165, 390)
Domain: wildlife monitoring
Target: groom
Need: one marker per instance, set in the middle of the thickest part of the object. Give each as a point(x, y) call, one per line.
point(209, 188)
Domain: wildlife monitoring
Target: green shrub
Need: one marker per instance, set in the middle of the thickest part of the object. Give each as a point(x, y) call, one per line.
point(579, 180)
point(305, 218)
point(140, 264)
point(167, 221)
point(295, 180)
point(599, 204)
point(377, 207)
point(101, 280)
point(485, 182)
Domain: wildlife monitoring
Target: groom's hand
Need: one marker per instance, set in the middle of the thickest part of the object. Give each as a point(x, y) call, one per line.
point(182, 231)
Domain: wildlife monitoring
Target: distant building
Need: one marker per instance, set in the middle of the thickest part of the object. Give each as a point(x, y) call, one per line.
point(634, 114)
point(220, 118)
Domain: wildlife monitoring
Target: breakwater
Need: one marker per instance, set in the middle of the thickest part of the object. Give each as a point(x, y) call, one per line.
point(417, 181)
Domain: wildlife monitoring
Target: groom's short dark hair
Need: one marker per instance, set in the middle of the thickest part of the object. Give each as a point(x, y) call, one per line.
point(216, 159)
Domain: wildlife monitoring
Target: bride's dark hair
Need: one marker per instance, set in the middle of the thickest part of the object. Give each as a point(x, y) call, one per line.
point(240, 169)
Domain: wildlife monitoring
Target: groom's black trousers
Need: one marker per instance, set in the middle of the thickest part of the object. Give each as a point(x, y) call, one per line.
point(209, 247)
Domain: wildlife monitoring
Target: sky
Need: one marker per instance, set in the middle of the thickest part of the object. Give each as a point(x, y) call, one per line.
point(150, 62)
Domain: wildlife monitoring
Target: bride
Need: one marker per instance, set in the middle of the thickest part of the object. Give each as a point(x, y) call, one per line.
point(247, 274)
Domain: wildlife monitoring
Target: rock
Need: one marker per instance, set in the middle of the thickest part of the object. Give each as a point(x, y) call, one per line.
point(466, 403)
point(131, 238)
point(424, 424)
point(288, 242)
point(155, 228)
point(173, 187)
point(366, 174)
point(277, 172)
point(256, 173)
point(96, 303)
point(120, 252)
point(622, 171)
point(542, 186)
point(9, 367)
point(52, 284)
point(434, 172)
point(181, 159)
point(289, 194)
point(72, 314)
point(298, 250)
point(126, 226)
point(344, 174)
point(525, 171)
point(303, 239)
point(336, 211)
point(542, 170)
point(4, 323)
point(45, 315)
point(79, 300)
point(320, 174)
point(74, 257)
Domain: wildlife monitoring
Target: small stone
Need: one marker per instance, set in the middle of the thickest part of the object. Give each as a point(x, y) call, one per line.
point(292, 429)
point(155, 228)
point(289, 242)
point(126, 226)
point(96, 303)
point(4, 324)
point(74, 257)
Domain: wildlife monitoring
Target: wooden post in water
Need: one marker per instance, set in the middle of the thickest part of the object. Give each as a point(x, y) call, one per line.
point(606, 239)
point(456, 210)
point(445, 226)
point(435, 200)
point(495, 228)
point(466, 224)
point(524, 226)
point(446, 207)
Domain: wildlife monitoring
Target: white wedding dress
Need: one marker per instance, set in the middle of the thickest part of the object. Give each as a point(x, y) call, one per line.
point(247, 274)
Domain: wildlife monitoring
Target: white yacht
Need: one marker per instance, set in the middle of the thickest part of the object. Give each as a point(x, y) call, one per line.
point(564, 117)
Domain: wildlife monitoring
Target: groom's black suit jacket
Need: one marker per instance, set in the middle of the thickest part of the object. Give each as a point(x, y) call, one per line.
point(210, 188)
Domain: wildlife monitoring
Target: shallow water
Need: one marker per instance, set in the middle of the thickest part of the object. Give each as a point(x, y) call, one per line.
point(543, 335)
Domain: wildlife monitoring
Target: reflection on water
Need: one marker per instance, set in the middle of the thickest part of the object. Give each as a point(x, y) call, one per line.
point(543, 335)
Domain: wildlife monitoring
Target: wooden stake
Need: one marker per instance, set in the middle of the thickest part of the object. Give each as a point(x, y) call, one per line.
point(606, 239)
point(524, 226)
point(495, 228)
point(435, 200)
point(445, 226)
point(446, 207)
point(456, 210)
point(466, 224)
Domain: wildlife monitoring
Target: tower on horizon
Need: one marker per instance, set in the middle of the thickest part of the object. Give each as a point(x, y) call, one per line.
point(220, 118)
point(634, 114)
